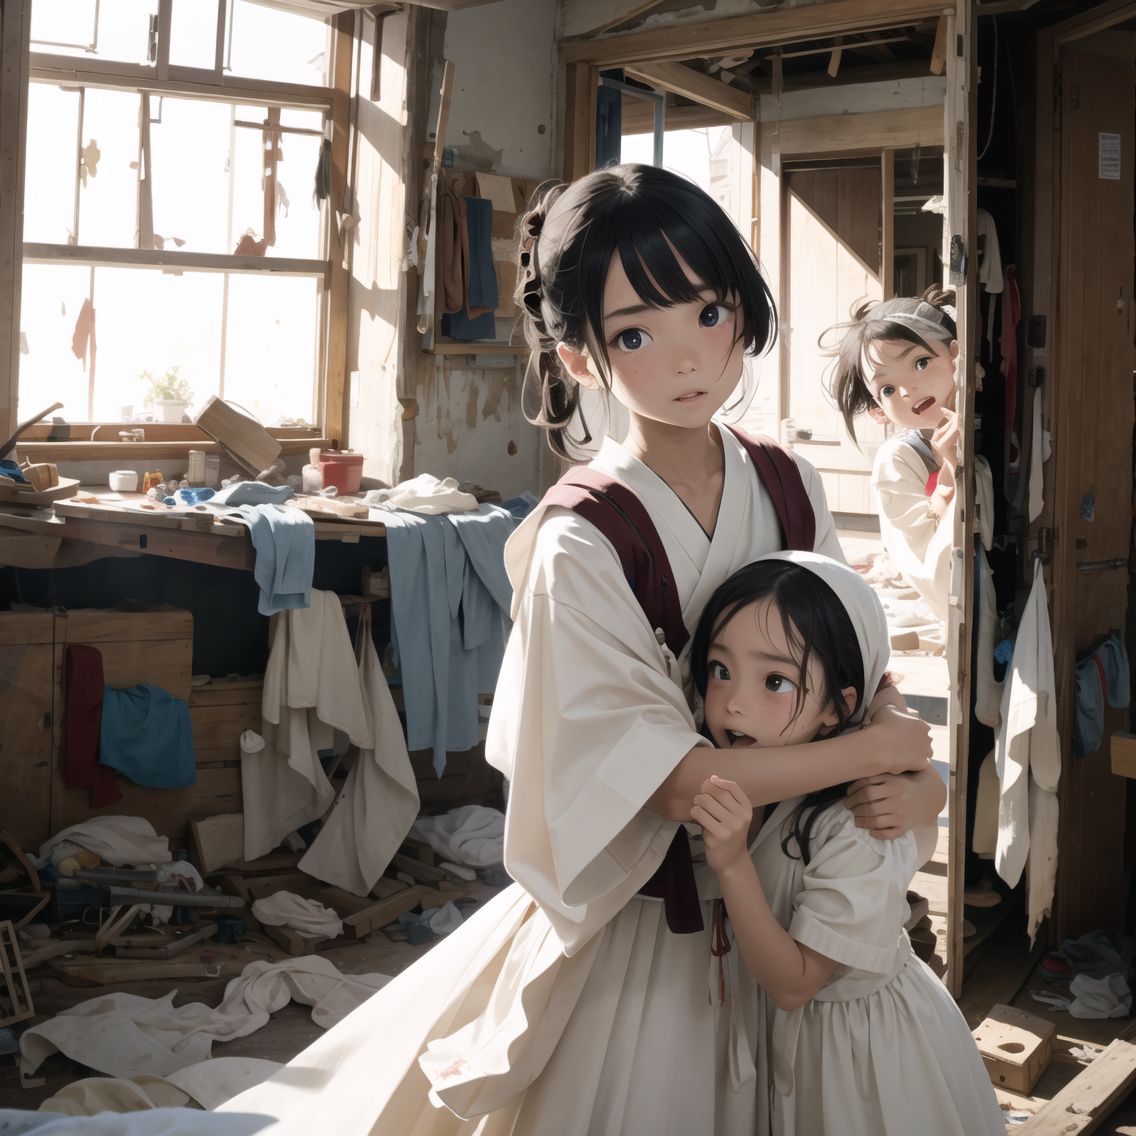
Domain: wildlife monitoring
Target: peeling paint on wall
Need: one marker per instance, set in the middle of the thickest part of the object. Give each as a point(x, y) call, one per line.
point(471, 406)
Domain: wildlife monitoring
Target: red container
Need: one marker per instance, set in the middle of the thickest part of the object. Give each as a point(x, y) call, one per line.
point(343, 469)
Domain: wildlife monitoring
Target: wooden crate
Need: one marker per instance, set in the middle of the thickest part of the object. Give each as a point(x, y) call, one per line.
point(1015, 1047)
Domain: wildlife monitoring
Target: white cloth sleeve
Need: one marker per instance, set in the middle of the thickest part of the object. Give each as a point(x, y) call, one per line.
point(853, 898)
point(589, 719)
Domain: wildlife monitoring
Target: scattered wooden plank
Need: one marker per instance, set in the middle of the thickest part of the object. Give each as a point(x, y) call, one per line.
point(171, 949)
point(1082, 1105)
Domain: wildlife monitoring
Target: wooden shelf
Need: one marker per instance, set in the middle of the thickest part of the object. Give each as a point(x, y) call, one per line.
point(477, 347)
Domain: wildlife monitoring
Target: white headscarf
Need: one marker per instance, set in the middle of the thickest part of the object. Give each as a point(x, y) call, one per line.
point(863, 608)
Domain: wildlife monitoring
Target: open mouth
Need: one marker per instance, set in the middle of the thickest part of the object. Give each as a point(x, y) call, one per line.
point(735, 739)
point(693, 396)
point(923, 405)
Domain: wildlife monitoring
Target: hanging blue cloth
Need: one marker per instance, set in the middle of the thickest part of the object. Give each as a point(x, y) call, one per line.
point(145, 734)
point(1101, 675)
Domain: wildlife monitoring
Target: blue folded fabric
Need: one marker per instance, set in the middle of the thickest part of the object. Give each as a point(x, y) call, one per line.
point(252, 493)
point(285, 544)
point(145, 734)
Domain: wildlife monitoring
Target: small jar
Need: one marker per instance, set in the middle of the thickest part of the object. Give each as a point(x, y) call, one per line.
point(151, 478)
point(312, 475)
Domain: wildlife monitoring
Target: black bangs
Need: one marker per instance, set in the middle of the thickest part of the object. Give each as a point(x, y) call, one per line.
point(652, 220)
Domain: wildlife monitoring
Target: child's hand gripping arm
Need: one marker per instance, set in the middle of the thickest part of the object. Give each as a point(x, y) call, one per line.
point(790, 973)
point(888, 804)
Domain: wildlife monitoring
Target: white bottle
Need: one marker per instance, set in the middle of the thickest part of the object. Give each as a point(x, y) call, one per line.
point(311, 473)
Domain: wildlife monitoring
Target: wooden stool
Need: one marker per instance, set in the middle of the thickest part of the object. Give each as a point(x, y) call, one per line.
point(1014, 1046)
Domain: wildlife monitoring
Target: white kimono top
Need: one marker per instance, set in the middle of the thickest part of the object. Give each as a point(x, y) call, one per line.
point(918, 544)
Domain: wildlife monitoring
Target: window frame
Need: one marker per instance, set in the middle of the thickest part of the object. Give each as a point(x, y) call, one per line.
point(330, 268)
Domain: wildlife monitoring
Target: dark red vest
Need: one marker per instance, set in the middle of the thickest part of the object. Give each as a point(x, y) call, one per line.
point(619, 514)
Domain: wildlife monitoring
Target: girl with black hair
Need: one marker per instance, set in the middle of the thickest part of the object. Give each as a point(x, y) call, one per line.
point(860, 1036)
point(896, 360)
point(568, 1004)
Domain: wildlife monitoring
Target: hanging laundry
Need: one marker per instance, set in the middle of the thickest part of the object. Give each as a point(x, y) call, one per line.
point(1101, 675)
point(83, 688)
point(1027, 757)
point(146, 736)
point(379, 800)
point(476, 319)
point(311, 689)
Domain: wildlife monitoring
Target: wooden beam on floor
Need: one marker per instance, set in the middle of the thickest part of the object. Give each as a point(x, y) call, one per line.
point(1081, 1106)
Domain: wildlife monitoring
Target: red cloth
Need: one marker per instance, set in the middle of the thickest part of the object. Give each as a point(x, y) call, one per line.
point(83, 712)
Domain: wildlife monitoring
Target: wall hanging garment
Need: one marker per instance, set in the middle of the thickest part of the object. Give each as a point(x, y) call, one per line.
point(379, 800)
point(449, 604)
point(1101, 675)
point(476, 319)
point(453, 247)
point(82, 716)
point(984, 836)
point(146, 736)
point(311, 689)
point(1028, 758)
point(989, 269)
point(1038, 456)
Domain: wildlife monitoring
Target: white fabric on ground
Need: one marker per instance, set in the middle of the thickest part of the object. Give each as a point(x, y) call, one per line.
point(204, 1085)
point(471, 834)
point(126, 1035)
point(156, 1122)
point(308, 916)
point(116, 840)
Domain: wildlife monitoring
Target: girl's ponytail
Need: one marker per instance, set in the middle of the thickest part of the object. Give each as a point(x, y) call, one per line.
point(557, 396)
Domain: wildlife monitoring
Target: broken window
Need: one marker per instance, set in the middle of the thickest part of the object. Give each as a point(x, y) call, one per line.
point(169, 224)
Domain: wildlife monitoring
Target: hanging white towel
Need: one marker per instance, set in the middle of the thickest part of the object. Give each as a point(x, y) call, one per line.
point(311, 689)
point(379, 800)
point(1027, 749)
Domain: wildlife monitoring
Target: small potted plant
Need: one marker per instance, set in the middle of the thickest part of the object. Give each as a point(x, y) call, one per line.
point(169, 394)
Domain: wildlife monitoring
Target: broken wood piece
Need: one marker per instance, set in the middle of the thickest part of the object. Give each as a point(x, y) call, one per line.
point(117, 922)
point(426, 873)
point(219, 843)
point(1015, 1046)
point(243, 438)
point(15, 978)
point(1081, 1106)
point(171, 949)
point(419, 850)
point(41, 475)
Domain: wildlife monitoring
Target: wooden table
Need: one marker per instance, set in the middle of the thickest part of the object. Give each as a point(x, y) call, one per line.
point(84, 527)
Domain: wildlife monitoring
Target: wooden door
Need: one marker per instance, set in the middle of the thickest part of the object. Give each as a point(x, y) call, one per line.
point(1091, 406)
point(833, 225)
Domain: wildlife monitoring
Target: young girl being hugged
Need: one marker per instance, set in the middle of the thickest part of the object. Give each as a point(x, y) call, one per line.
point(896, 360)
point(567, 1004)
point(860, 1036)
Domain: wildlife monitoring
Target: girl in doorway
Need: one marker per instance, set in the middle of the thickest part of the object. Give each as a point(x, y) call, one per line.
point(896, 360)
point(567, 1004)
point(860, 1036)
